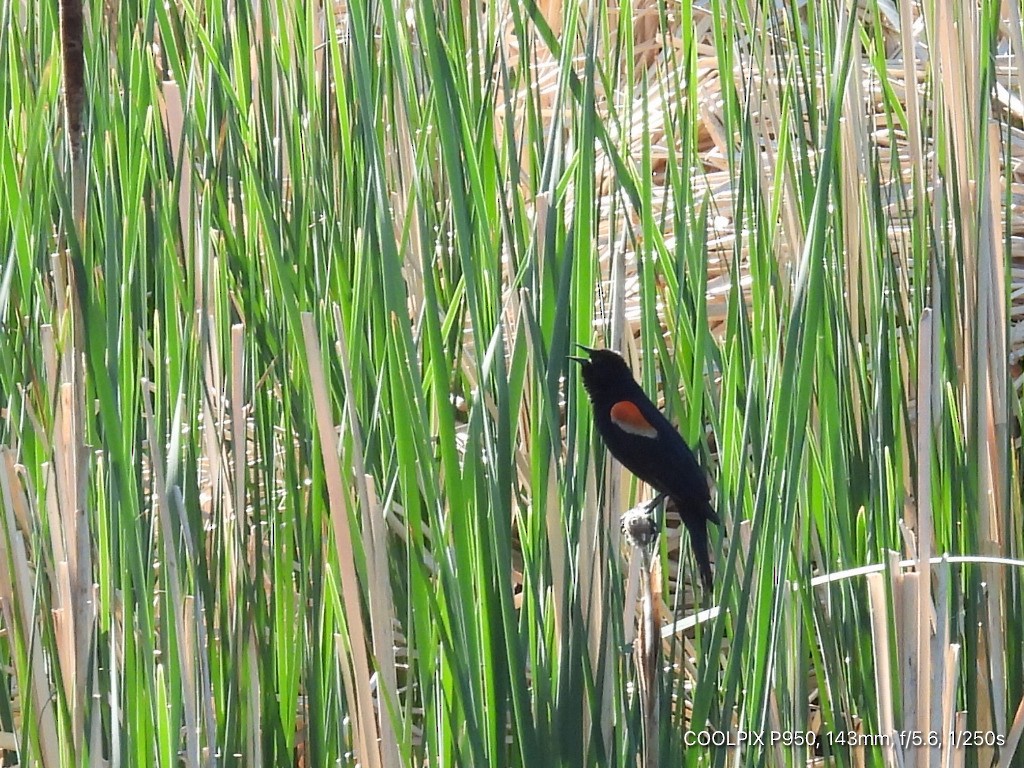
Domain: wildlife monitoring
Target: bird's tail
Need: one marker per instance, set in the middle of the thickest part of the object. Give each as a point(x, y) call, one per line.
point(699, 543)
point(710, 514)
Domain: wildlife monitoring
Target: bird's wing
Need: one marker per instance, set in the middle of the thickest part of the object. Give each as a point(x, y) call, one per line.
point(681, 474)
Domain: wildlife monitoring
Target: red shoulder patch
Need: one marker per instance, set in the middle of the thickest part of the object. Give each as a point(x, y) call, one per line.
point(627, 417)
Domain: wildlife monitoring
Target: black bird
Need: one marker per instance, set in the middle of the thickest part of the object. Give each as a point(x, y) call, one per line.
point(645, 443)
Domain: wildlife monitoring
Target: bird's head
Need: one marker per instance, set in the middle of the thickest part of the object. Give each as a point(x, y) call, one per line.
point(604, 372)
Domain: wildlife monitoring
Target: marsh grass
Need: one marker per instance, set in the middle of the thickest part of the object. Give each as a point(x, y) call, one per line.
point(342, 498)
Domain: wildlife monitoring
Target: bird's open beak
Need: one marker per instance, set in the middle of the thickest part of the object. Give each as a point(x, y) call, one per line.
point(582, 360)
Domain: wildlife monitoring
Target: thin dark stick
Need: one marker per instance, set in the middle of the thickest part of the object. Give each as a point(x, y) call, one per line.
point(641, 528)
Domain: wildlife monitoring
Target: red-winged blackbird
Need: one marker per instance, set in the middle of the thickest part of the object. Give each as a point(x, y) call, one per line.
point(643, 440)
